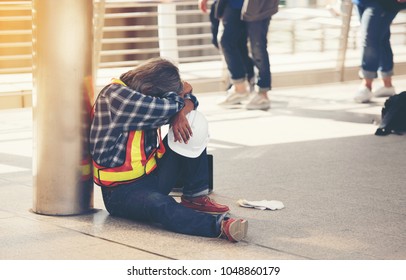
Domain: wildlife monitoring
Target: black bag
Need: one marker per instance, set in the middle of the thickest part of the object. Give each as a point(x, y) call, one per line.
point(393, 115)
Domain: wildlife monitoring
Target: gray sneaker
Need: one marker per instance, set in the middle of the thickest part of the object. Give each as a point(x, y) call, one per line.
point(234, 97)
point(259, 102)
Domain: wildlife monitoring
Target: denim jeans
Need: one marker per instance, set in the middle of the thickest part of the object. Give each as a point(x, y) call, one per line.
point(235, 50)
point(233, 44)
point(257, 34)
point(377, 55)
point(147, 199)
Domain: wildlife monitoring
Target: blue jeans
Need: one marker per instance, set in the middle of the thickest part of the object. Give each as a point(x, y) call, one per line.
point(233, 44)
point(147, 199)
point(377, 55)
point(257, 34)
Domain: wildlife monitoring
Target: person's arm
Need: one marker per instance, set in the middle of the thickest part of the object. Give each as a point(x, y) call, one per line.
point(203, 5)
point(131, 110)
point(180, 124)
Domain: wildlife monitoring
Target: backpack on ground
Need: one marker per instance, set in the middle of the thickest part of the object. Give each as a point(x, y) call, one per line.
point(393, 115)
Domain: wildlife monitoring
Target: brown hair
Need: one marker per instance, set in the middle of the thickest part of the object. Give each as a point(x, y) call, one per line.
point(154, 77)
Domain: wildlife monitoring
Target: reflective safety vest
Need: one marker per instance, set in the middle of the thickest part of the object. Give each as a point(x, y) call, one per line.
point(135, 166)
point(136, 163)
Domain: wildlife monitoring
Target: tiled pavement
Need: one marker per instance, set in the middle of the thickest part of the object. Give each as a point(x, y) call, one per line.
point(314, 150)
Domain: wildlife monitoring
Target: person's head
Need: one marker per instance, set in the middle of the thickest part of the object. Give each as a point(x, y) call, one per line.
point(154, 77)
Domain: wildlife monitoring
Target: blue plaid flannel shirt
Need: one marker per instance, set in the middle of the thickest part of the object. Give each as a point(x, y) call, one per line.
point(119, 110)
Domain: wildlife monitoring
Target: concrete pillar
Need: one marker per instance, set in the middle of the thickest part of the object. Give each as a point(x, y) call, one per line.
point(62, 97)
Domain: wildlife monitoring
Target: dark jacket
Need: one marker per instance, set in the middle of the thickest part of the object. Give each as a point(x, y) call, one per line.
point(253, 10)
point(390, 5)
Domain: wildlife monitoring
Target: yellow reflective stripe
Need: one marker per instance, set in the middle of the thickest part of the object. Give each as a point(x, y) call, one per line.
point(118, 176)
point(85, 169)
point(136, 155)
point(150, 165)
point(137, 172)
point(136, 148)
point(118, 81)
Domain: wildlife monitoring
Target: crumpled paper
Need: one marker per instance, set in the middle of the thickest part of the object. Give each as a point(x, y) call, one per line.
point(261, 204)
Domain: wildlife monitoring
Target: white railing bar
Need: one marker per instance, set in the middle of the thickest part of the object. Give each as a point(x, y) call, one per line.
point(16, 57)
point(15, 44)
point(16, 32)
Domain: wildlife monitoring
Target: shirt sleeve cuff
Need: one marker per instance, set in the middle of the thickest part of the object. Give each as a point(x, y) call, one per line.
point(192, 98)
point(174, 97)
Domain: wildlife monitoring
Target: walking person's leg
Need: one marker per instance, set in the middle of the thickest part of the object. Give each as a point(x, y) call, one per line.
point(376, 50)
point(232, 42)
point(386, 63)
point(257, 34)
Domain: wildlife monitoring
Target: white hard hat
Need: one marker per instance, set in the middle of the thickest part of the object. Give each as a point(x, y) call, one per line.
point(198, 142)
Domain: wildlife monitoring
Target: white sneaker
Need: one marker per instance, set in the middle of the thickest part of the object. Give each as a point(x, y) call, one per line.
point(234, 97)
point(384, 92)
point(363, 95)
point(259, 102)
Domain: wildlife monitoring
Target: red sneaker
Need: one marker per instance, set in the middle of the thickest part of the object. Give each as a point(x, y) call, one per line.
point(234, 230)
point(204, 204)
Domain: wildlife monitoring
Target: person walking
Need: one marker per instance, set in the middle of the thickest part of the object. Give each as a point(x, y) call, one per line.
point(244, 21)
point(376, 17)
point(137, 169)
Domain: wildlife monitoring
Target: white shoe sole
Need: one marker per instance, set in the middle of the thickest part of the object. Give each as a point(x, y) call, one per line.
point(258, 107)
point(235, 101)
point(238, 230)
point(359, 100)
point(384, 95)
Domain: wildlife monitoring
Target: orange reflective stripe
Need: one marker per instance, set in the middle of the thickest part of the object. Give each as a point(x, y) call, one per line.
point(161, 148)
point(140, 152)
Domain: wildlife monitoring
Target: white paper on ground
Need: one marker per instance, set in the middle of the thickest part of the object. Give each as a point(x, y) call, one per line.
point(261, 204)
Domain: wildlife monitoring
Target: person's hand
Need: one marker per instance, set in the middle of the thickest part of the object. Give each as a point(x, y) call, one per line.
point(203, 5)
point(402, 1)
point(180, 127)
point(187, 88)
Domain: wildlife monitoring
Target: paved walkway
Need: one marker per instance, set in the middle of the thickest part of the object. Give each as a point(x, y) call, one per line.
point(343, 187)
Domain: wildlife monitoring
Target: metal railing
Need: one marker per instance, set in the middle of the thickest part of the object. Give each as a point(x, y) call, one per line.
point(134, 31)
point(15, 37)
point(129, 32)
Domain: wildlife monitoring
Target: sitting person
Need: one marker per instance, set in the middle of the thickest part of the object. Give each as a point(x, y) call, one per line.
point(137, 169)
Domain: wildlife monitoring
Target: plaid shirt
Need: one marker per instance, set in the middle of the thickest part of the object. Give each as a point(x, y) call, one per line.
point(119, 110)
